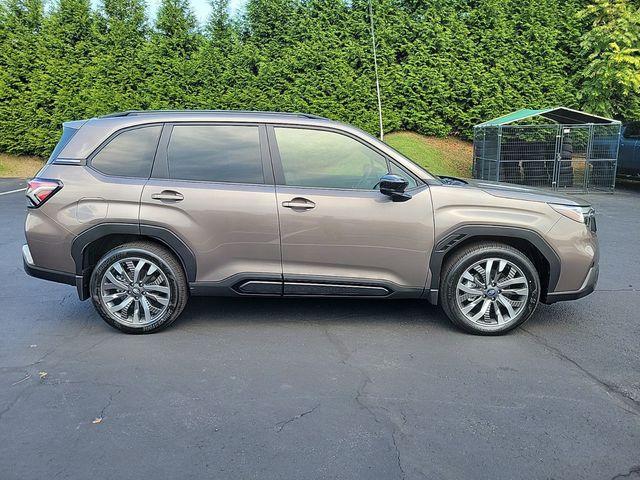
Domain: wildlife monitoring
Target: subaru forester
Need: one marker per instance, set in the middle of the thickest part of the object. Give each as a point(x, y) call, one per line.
point(142, 209)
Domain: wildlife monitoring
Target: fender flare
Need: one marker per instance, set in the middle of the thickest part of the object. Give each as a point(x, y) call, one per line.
point(465, 232)
point(163, 235)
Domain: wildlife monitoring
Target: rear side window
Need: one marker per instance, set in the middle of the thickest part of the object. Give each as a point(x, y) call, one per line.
point(67, 134)
point(215, 153)
point(130, 154)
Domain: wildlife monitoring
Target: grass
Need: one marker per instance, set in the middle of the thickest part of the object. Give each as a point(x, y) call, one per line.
point(19, 166)
point(442, 156)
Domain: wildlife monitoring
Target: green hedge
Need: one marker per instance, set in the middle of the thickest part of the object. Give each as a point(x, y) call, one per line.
point(445, 65)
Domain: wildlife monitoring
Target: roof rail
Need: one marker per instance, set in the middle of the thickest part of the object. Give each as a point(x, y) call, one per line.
point(196, 112)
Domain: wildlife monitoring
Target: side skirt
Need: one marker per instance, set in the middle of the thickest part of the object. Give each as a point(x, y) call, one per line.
point(241, 285)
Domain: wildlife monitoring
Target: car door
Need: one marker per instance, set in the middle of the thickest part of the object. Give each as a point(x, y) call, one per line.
point(339, 234)
point(629, 153)
point(212, 185)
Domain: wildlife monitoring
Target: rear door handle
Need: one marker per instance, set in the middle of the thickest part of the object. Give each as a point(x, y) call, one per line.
point(168, 196)
point(299, 203)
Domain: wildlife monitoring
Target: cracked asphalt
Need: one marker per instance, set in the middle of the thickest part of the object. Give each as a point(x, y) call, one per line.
point(315, 389)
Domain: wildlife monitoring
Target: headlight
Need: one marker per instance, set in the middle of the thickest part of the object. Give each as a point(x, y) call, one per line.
point(586, 215)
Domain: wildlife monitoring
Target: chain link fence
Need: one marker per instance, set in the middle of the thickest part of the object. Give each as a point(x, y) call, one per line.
point(574, 158)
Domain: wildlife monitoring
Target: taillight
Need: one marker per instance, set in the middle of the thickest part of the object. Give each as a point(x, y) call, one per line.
point(39, 190)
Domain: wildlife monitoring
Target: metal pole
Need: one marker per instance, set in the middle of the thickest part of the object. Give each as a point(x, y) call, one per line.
point(375, 66)
point(557, 156)
point(475, 154)
point(588, 164)
point(499, 153)
point(615, 161)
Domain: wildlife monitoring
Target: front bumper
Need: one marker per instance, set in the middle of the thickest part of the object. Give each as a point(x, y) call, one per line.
point(51, 275)
point(588, 286)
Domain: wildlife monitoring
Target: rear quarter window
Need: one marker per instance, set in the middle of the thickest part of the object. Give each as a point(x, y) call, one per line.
point(129, 154)
point(67, 135)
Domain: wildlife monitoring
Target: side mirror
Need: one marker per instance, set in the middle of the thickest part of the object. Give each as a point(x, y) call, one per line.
point(394, 186)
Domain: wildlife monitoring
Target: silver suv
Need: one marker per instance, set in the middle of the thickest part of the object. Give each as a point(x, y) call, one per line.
point(140, 210)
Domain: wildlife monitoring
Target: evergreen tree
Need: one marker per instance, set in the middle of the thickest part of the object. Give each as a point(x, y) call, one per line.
point(444, 65)
point(270, 28)
point(219, 60)
point(435, 61)
point(117, 69)
point(170, 70)
point(58, 90)
point(315, 59)
point(20, 27)
point(610, 82)
point(388, 16)
point(522, 44)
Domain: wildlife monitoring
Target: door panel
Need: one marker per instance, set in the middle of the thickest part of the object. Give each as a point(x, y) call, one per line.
point(355, 234)
point(212, 185)
point(231, 228)
point(336, 227)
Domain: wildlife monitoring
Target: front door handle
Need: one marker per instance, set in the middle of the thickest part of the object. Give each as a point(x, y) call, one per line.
point(168, 196)
point(299, 203)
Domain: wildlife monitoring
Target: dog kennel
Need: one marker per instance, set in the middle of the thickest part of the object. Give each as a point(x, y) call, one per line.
point(557, 148)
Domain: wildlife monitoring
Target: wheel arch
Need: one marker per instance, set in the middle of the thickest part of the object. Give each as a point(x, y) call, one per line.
point(90, 245)
point(529, 242)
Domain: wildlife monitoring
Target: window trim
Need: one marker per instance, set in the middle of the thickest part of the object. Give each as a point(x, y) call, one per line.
point(278, 169)
point(113, 136)
point(161, 166)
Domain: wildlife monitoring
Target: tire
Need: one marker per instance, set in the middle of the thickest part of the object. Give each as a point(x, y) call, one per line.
point(159, 297)
point(521, 291)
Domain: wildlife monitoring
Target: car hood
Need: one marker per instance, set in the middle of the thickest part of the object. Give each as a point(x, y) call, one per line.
point(508, 190)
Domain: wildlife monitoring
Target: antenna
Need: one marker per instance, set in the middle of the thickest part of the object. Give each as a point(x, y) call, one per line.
point(375, 66)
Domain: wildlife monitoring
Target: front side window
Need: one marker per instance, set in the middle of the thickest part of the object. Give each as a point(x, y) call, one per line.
point(130, 154)
point(215, 153)
point(317, 158)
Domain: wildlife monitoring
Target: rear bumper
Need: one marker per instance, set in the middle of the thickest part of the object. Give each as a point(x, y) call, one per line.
point(588, 286)
point(51, 275)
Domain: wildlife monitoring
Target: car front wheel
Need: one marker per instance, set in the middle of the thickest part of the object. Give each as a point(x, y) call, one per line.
point(489, 288)
point(139, 287)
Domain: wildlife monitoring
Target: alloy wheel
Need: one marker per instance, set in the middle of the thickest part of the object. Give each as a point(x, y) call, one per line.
point(492, 292)
point(135, 291)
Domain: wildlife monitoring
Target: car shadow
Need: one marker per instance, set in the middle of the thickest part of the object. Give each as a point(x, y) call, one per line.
point(227, 310)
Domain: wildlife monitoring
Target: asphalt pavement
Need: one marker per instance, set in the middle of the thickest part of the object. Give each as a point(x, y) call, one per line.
point(315, 389)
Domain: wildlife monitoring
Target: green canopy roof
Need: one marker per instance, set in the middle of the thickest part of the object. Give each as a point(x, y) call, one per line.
point(562, 115)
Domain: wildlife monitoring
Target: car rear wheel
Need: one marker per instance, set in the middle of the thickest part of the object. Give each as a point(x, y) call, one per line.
point(489, 288)
point(139, 287)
